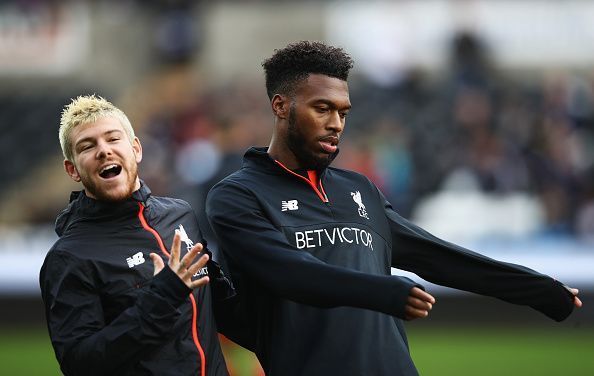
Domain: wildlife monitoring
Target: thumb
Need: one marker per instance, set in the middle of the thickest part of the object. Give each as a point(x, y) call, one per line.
point(157, 262)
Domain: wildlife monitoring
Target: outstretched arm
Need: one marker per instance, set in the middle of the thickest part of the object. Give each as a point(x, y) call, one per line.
point(450, 265)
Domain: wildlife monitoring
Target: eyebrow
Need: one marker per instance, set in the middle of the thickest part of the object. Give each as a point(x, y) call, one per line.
point(330, 103)
point(90, 139)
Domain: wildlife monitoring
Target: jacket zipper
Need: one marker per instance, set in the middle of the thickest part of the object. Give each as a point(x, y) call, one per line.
point(148, 228)
point(321, 194)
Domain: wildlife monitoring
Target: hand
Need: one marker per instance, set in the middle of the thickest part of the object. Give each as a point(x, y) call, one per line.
point(576, 301)
point(418, 305)
point(184, 267)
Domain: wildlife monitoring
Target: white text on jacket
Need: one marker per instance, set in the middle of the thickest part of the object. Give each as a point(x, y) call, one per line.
point(318, 238)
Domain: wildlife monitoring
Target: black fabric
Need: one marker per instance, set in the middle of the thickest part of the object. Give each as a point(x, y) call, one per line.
point(315, 290)
point(106, 312)
point(450, 265)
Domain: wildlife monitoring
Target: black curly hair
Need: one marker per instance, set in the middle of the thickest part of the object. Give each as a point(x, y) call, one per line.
point(288, 66)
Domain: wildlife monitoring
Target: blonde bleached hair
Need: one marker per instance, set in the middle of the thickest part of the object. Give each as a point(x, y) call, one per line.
point(87, 109)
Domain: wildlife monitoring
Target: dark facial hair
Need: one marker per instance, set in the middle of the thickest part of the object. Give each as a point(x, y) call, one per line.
point(296, 142)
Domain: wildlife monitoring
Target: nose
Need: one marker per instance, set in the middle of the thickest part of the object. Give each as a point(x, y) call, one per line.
point(336, 122)
point(103, 150)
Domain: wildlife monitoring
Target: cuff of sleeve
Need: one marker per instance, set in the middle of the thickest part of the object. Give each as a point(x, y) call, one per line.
point(170, 287)
point(400, 297)
point(221, 286)
point(560, 306)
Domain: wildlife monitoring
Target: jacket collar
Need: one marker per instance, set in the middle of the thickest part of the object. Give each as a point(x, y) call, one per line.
point(140, 195)
point(258, 157)
point(83, 207)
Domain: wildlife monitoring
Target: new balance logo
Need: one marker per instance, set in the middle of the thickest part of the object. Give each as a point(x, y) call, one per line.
point(289, 205)
point(136, 259)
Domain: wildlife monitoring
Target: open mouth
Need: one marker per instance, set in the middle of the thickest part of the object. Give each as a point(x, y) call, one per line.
point(110, 171)
point(329, 144)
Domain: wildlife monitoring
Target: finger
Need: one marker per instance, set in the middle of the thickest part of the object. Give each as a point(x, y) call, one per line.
point(175, 246)
point(419, 304)
point(577, 302)
point(189, 257)
point(199, 282)
point(420, 294)
point(574, 291)
point(198, 247)
point(197, 265)
point(413, 313)
point(157, 263)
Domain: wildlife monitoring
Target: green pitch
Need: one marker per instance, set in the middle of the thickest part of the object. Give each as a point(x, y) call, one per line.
point(444, 351)
point(27, 352)
point(503, 351)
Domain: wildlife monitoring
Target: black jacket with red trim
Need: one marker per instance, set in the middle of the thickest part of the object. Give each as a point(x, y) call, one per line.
point(106, 313)
point(311, 262)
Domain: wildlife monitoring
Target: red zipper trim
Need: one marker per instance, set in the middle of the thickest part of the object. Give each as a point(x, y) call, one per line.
point(313, 177)
point(147, 227)
point(195, 335)
point(322, 197)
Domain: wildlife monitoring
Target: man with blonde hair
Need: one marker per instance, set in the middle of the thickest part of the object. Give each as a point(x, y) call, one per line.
point(109, 311)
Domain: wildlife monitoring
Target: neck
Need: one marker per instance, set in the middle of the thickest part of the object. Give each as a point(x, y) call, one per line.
point(280, 151)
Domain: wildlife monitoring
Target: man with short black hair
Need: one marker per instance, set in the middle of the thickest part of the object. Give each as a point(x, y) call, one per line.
point(310, 247)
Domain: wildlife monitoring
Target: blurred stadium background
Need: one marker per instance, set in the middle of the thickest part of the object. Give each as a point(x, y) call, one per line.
point(476, 118)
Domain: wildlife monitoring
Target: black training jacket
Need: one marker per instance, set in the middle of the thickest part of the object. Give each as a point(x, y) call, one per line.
point(106, 313)
point(307, 257)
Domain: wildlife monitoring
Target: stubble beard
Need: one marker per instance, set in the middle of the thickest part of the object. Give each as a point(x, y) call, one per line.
point(110, 196)
point(297, 143)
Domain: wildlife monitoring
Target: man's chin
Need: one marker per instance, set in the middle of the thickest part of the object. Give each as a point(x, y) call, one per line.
point(110, 194)
point(322, 161)
point(115, 196)
point(318, 163)
point(310, 158)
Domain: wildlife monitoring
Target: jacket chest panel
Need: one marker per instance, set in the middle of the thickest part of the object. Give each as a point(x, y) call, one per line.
point(120, 259)
point(297, 205)
point(122, 262)
point(289, 202)
point(342, 231)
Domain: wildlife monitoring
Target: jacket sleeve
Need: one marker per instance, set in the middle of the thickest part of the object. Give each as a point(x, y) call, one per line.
point(447, 264)
point(220, 285)
point(251, 242)
point(83, 342)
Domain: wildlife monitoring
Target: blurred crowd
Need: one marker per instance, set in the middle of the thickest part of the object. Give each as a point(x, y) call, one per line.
point(497, 133)
point(509, 134)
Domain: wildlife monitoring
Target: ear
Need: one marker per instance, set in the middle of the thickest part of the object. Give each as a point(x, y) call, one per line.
point(280, 105)
point(71, 170)
point(137, 148)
